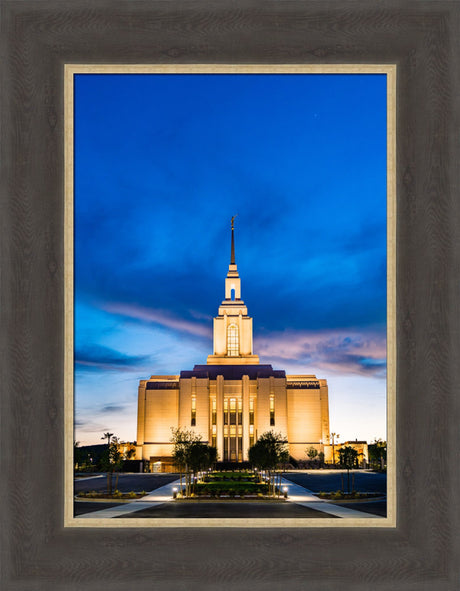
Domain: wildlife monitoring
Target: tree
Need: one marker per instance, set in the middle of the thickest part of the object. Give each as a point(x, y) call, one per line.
point(377, 453)
point(191, 456)
point(111, 461)
point(347, 459)
point(182, 439)
point(200, 457)
point(78, 455)
point(107, 436)
point(130, 452)
point(312, 453)
point(268, 453)
point(321, 459)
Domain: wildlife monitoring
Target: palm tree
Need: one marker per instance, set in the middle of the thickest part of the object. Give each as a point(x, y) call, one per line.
point(107, 436)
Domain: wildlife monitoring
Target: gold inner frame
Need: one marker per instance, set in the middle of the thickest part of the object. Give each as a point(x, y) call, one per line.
point(69, 71)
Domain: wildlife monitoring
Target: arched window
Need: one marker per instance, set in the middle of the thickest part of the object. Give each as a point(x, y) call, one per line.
point(233, 345)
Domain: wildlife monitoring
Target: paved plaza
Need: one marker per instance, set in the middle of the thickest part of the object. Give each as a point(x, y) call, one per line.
point(301, 501)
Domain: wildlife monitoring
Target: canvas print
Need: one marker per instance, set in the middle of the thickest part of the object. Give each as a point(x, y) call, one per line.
point(230, 297)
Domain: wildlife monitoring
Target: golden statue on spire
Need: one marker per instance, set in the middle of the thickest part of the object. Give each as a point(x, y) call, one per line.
point(233, 219)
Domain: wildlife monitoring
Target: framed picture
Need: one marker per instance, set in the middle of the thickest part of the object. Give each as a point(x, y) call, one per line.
point(258, 139)
point(420, 549)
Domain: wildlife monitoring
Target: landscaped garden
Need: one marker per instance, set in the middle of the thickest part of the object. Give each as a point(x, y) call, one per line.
point(195, 459)
point(116, 495)
point(228, 485)
point(340, 495)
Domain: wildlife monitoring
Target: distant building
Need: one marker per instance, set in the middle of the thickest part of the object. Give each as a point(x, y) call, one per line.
point(360, 446)
point(234, 398)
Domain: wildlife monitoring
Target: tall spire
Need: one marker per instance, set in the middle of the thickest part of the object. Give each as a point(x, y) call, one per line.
point(232, 255)
point(232, 333)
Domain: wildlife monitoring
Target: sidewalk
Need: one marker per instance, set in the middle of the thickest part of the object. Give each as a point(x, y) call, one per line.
point(296, 494)
point(155, 497)
point(301, 496)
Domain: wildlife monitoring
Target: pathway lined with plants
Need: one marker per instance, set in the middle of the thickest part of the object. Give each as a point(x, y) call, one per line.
point(296, 495)
point(301, 496)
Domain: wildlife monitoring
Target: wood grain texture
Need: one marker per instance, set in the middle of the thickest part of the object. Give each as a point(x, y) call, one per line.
point(422, 38)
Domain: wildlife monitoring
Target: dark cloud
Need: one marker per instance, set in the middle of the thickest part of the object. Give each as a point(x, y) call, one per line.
point(98, 357)
point(112, 408)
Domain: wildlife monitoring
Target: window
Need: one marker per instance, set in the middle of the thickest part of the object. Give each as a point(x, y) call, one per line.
point(214, 412)
point(251, 411)
point(225, 411)
point(233, 346)
point(193, 418)
point(232, 411)
point(272, 410)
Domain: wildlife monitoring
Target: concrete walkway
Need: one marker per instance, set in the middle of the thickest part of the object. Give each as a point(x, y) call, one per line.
point(302, 496)
point(156, 497)
point(296, 494)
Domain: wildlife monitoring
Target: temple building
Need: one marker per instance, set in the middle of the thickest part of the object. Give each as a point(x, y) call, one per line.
point(233, 398)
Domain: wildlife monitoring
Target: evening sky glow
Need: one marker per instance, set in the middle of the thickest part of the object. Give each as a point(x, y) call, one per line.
point(162, 163)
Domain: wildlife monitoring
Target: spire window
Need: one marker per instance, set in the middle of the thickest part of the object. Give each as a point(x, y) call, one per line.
point(233, 344)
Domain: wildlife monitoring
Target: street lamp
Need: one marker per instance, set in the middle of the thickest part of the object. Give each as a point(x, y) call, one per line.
point(285, 491)
point(333, 435)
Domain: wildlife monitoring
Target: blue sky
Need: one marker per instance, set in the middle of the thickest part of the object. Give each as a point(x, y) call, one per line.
point(162, 162)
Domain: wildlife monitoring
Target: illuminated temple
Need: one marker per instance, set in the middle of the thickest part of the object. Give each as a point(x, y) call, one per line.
point(233, 398)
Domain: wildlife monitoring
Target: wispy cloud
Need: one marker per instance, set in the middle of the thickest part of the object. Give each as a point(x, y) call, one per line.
point(151, 315)
point(112, 408)
point(91, 424)
point(348, 352)
point(98, 357)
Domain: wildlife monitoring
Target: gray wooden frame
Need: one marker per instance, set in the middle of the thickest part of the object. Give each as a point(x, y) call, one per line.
point(422, 38)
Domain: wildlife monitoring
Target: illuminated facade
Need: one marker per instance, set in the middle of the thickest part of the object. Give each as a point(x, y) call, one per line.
point(233, 398)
